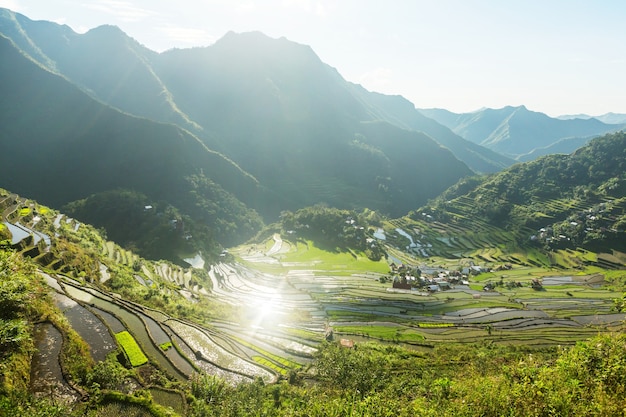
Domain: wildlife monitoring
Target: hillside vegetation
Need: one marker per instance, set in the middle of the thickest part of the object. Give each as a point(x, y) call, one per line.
point(559, 202)
point(176, 322)
point(371, 380)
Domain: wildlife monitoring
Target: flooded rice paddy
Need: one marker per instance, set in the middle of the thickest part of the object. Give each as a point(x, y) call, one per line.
point(88, 326)
point(47, 378)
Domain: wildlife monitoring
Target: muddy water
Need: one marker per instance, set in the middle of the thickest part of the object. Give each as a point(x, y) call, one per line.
point(204, 347)
point(110, 320)
point(160, 337)
point(208, 367)
point(88, 326)
point(46, 377)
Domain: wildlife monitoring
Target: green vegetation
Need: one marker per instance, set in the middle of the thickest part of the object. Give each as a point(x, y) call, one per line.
point(560, 211)
point(133, 352)
point(22, 301)
point(389, 333)
point(374, 380)
point(505, 346)
point(165, 346)
point(434, 325)
point(157, 232)
point(333, 230)
point(458, 370)
point(307, 254)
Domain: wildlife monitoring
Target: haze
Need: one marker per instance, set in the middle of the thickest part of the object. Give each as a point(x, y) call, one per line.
point(557, 57)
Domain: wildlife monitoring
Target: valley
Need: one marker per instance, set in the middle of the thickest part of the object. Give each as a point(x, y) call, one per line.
point(283, 297)
point(237, 230)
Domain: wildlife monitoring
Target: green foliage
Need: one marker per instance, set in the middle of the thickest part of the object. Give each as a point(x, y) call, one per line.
point(24, 405)
point(371, 380)
point(208, 388)
point(108, 374)
point(157, 233)
point(22, 301)
point(13, 332)
point(166, 346)
point(332, 229)
point(576, 200)
point(117, 409)
point(352, 370)
point(229, 219)
point(131, 349)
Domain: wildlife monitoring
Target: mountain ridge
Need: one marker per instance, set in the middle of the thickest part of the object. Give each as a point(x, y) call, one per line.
point(521, 133)
point(251, 98)
point(174, 113)
point(74, 146)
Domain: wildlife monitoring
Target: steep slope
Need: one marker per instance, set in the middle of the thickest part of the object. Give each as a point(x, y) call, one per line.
point(399, 111)
point(59, 145)
point(524, 130)
point(562, 146)
point(556, 201)
point(270, 105)
point(272, 99)
point(105, 62)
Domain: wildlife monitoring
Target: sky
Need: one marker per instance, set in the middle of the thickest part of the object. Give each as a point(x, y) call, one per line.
point(553, 56)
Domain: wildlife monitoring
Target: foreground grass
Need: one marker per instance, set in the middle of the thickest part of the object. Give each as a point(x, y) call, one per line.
point(386, 333)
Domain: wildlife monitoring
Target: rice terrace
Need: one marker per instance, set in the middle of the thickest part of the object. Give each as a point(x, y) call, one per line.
point(237, 230)
point(272, 302)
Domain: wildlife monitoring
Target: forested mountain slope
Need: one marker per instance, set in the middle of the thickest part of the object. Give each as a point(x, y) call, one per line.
point(60, 145)
point(269, 105)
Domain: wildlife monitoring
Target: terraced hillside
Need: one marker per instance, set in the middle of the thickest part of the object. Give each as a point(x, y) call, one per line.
point(362, 305)
point(552, 212)
point(261, 313)
point(557, 245)
point(159, 318)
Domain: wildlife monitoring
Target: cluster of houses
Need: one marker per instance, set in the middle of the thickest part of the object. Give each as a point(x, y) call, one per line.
point(597, 220)
point(427, 278)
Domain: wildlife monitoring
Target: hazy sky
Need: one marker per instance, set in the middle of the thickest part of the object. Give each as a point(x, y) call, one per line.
point(554, 56)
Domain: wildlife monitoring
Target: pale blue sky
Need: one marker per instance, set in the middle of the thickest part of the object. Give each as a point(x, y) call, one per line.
point(554, 56)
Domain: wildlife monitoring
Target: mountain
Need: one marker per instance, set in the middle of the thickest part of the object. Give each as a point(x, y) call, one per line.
point(609, 118)
point(60, 145)
point(399, 111)
point(275, 100)
point(271, 106)
point(517, 131)
point(121, 72)
point(104, 62)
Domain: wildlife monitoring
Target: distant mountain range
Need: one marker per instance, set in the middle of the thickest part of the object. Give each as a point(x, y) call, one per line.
point(523, 134)
point(609, 118)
